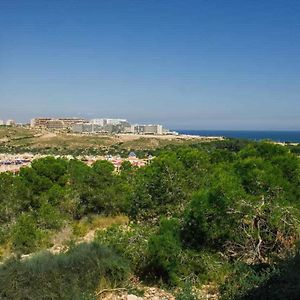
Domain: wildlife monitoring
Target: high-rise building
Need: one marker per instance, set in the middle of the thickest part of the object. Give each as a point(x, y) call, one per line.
point(39, 122)
point(97, 122)
point(86, 128)
point(1, 122)
point(116, 126)
point(114, 121)
point(148, 129)
point(153, 129)
point(105, 121)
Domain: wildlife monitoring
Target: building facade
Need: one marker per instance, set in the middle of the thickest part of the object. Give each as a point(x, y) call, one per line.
point(148, 129)
point(55, 124)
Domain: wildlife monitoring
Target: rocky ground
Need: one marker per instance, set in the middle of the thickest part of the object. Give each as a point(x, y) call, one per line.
point(150, 293)
point(153, 293)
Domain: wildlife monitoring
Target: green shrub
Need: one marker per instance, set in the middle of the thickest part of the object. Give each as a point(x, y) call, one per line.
point(73, 275)
point(186, 293)
point(131, 242)
point(49, 217)
point(243, 279)
point(205, 221)
point(282, 283)
point(25, 234)
point(163, 251)
point(201, 267)
point(158, 189)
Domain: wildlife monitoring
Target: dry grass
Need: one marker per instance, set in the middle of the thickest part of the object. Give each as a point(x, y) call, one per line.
point(105, 222)
point(65, 141)
point(5, 251)
point(15, 132)
point(152, 143)
point(91, 223)
point(41, 140)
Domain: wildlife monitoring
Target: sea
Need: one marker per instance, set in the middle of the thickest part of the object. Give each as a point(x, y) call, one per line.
point(277, 136)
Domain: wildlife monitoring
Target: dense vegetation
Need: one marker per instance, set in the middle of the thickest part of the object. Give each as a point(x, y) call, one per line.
point(71, 275)
point(223, 214)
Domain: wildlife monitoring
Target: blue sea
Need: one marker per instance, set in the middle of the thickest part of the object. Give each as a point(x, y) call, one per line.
point(278, 136)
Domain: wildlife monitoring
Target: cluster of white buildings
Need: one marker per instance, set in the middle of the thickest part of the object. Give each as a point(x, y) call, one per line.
point(103, 122)
point(116, 126)
point(101, 125)
point(7, 123)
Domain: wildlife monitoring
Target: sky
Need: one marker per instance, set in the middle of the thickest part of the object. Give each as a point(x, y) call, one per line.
point(187, 64)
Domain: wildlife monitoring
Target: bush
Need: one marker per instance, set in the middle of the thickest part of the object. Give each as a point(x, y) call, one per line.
point(243, 279)
point(67, 276)
point(206, 223)
point(49, 217)
point(158, 189)
point(163, 250)
point(25, 234)
point(186, 293)
point(131, 242)
point(283, 283)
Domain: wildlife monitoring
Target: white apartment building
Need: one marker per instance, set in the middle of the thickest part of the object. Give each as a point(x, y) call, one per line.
point(115, 121)
point(53, 123)
point(99, 122)
point(105, 121)
point(148, 129)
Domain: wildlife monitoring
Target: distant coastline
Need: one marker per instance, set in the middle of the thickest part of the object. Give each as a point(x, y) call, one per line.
point(277, 136)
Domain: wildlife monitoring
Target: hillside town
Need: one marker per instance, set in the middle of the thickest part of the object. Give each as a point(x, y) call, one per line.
point(13, 163)
point(62, 133)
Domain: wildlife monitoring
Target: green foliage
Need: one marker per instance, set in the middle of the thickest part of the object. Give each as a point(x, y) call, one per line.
point(25, 234)
point(126, 167)
point(55, 195)
point(49, 217)
point(158, 188)
point(13, 197)
point(295, 149)
point(38, 184)
point(186, 293)
point(98, 189)
point(245, 210)
point(163, 250)
point(259, 176)
point(226, 208)
point(163, 187)
point(280, 283)
point(243, 279)
point(208, 219)
point(50, 167)
point(131, 242)
point(75, 274)
point(103, 168)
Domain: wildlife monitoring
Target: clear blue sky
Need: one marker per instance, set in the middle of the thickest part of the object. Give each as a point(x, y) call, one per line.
point(189, 64)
